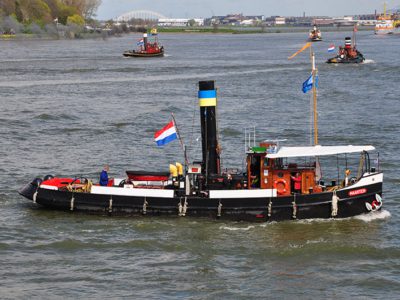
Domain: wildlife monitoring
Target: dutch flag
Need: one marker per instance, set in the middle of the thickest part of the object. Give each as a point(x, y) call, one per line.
point(140, 42)
point(166, 135)
point(331, 48)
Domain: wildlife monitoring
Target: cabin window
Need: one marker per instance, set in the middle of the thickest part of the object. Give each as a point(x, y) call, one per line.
point(255, 170)
point(266, 162)
point(279, 163)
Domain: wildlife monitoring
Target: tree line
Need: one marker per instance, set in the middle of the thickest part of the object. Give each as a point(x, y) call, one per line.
point(44, 12)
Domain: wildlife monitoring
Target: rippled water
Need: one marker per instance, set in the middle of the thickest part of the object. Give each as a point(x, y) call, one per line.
point(68, 107)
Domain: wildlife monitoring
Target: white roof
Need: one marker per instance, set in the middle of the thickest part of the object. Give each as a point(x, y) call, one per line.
point(317, 151)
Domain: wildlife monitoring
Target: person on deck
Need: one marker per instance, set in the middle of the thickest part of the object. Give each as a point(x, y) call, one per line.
point(104, 176)
point(346, 178)
point(297, 183)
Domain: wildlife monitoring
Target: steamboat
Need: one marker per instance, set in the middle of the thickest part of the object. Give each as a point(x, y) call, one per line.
point(347, 54)
point(278, 182)
point(315, 34)
point(147, 48)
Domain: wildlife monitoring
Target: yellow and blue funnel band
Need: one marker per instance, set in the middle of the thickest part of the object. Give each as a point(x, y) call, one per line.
point(208, 98)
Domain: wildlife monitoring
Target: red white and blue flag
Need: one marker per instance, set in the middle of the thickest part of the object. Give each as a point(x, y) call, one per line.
point(331, 48)
point(166, 135)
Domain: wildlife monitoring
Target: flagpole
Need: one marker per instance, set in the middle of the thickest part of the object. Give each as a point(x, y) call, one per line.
point(314, 89)
point(180, 140)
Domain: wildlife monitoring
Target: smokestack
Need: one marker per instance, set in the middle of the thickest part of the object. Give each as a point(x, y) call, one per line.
point(347, 42)
point(208, 103)
point(145, 40)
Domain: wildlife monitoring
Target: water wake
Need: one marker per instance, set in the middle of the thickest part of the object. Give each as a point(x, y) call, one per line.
point(231, 228)
point(377, 215)
point(369, 61)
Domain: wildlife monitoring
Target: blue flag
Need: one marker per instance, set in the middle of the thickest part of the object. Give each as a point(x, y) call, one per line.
point(308, 84)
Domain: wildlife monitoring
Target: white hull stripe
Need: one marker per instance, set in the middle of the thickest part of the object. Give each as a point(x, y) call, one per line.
point(235, 194)
point(156, 193)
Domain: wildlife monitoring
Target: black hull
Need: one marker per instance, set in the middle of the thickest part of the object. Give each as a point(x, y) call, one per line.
point(311, 206)
point(338, 60)
point(141, 54)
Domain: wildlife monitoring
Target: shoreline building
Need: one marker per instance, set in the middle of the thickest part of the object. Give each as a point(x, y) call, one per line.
point(180, 22)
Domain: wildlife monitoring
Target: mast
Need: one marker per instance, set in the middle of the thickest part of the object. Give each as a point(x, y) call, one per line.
point(315, 114)
point(384, 10)
point(181, 141)
point(314, 95)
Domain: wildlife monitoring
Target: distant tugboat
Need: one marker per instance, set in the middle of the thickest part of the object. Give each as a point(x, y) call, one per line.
point(347, 54)
point(315, 34)
point(147, 48)
point(385, 23)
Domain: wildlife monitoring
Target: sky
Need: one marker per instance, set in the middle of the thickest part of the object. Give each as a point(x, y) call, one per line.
point(206, 8)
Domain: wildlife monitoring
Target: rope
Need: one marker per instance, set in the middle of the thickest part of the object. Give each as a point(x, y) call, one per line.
point(184, 209)
point(270, 208)
point(192, 132)
point(35, 196)
point(294, 216)
point(360, 166)
point(110, 205)
point(335, 200)
point(180, 207)
point(88, 187)
point(72, 203)
point(145, 203)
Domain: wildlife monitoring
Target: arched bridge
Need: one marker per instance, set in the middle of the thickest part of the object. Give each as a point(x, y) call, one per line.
point(139, 14)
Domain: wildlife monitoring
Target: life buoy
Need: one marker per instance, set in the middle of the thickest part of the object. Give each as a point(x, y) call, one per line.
point(280, 182)
point(374, 204)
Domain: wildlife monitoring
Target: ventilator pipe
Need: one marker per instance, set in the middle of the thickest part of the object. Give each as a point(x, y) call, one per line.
point(180, 168)
point(173, 170)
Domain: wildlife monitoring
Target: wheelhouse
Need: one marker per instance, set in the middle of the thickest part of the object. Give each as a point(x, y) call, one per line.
point(272, 167)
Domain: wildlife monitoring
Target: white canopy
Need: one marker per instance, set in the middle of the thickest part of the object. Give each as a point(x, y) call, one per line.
point(317, 151)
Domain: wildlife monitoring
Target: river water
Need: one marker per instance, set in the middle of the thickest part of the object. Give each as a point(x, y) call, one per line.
point(68, 107)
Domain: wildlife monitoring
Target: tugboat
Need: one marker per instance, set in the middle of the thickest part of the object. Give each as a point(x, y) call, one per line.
point(315, 34)
point(147, 48)
point(347, 54)
point(272, 187)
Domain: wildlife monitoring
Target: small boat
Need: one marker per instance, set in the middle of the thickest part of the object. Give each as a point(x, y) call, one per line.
point(144, 53)
point(278, 183)
point(146, 48)
point(8, 34)
point(347, 54)
point(315, 34)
